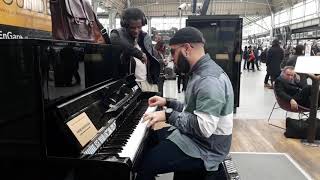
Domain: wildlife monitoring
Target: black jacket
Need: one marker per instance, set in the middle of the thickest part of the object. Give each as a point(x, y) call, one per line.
point(121, 37)
point(286, 90)
point(274, 58)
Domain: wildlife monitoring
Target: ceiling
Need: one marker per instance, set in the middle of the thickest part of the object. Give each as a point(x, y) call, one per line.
point(250, 10)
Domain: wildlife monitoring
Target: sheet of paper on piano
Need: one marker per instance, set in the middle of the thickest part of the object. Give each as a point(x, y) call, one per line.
point(308, 64)
point(82, 128)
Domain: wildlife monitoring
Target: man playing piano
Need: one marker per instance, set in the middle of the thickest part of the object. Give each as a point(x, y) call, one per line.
point(194, 136)
point(137, 57)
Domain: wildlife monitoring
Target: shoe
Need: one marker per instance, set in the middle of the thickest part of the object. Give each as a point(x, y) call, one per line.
point(179, 91)
point(267, 85)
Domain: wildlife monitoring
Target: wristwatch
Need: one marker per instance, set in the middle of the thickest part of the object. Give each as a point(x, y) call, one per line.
point(168, 112)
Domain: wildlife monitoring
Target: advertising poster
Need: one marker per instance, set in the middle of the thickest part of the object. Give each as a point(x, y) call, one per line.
point(25, 19)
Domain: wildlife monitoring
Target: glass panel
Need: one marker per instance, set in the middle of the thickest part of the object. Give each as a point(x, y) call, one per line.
point(276, 19)
point(311, 8)
point(284, 17)
point(297, 12)
point(298, 5)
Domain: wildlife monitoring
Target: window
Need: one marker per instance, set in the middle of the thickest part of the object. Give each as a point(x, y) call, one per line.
point(311, 8)
point(297, 12)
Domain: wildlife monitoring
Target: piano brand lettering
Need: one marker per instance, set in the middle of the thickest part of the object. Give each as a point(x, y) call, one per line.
point(9, 35)
point(84, 128)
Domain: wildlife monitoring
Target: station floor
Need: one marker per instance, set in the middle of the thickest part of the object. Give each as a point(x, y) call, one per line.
point(251, 131)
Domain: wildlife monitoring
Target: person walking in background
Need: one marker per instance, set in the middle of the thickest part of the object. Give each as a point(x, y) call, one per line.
point(263, 55)
point(159, 53)
point(245, 57)
point(251, 59)
point(287, 53)
point(274, 59)
point(314, 49)
point(182, 79)
point(257, 57)
point(264, 60)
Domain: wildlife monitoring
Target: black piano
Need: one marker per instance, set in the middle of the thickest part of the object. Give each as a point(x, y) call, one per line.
point(68, 110)
point(100, 133)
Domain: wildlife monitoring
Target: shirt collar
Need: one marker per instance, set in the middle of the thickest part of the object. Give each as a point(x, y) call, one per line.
point(205, 58)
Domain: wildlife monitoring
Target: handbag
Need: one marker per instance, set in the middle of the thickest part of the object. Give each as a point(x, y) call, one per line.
point(75, 20)
point(298, 129)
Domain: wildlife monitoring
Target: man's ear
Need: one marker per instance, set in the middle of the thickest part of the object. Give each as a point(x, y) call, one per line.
point(188, 46)
point(187, 49)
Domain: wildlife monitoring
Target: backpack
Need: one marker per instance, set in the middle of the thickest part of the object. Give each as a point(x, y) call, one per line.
point(251, 57)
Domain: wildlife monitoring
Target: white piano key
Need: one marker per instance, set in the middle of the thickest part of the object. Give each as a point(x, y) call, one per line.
point(131, 147)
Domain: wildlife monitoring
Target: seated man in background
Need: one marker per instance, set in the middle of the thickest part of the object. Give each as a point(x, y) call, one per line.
point(194, 136)
point(289, 88)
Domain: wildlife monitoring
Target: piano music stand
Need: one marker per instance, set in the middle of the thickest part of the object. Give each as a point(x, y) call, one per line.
point(310, 65)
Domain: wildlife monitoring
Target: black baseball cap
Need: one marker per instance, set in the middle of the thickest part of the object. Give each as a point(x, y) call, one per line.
point(187, 35)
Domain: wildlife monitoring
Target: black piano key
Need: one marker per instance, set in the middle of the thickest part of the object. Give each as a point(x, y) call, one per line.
point(111, 150)
point(111, 147)
point(117, 142)
point(121, 137)
point(104, 155)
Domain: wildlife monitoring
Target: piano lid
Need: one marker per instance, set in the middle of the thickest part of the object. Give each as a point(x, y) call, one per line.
point(87, 120)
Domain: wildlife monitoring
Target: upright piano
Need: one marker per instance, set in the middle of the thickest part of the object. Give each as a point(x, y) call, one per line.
point(67, 110)
point(99, 133)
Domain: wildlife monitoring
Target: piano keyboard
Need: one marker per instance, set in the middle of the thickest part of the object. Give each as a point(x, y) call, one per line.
point(126, 141)
point(132, 145)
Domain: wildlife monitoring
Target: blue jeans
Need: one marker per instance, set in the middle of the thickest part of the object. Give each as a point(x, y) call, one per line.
point(163, 156)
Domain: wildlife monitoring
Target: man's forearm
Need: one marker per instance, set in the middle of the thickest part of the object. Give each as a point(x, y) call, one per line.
point(127, 47)
point(281, 93)
point(186, 122)
point(174, 104)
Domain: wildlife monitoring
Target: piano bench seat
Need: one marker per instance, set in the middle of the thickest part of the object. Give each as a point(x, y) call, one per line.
point(201, 175)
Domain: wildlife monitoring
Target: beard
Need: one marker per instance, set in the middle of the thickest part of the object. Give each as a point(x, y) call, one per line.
point(183, 65)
